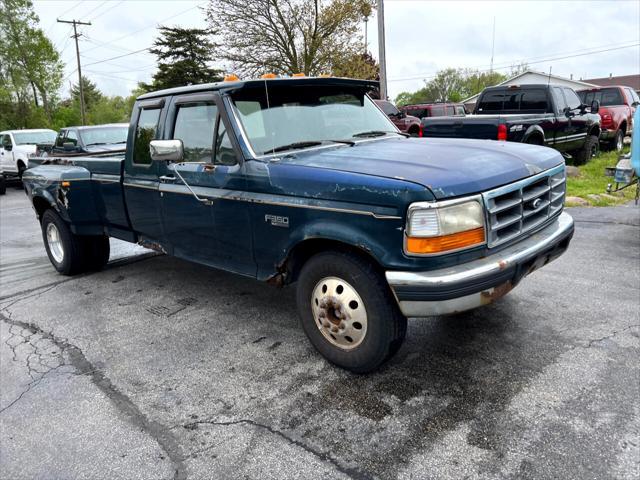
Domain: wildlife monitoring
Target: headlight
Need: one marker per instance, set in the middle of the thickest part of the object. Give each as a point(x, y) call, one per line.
point(434, 228)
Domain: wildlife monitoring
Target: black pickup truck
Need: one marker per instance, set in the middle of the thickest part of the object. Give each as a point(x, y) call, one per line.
point(550, 115)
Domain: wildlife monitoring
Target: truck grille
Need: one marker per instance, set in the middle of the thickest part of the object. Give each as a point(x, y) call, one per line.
point(520, 207)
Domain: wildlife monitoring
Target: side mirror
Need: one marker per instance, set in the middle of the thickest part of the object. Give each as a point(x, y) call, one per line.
point(8, 148)
point(595, 106)
point(635, 104)
point(69, 146)
point(166, 150)
point(568, 112)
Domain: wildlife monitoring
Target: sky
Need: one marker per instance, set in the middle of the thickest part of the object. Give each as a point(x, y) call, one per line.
point(586, 39)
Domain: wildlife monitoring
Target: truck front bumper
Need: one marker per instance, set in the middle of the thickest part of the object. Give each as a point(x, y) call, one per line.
point(480, 282)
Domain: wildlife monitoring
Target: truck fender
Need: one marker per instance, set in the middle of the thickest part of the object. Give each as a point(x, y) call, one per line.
point(42, 200)
point(534, 131)
point(320, 235)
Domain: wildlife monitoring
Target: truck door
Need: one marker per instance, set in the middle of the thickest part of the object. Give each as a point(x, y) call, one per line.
point(6, 154)
point(141, 174)
point(578, 123)
point(214, 229)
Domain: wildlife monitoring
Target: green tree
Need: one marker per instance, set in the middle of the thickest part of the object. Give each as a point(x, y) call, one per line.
point(475, 81)
point(31, 67)
point(92, 95)
point(184, 58)
point(358, 65)
point(287, 36)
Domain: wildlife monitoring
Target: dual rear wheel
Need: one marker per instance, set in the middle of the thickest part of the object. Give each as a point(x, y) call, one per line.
point(69, 253)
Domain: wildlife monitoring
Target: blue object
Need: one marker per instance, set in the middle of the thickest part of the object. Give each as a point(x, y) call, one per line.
point(635, 143)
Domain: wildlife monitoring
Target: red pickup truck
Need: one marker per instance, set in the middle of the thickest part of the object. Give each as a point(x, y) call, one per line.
point(405, 123)
point(617, 106)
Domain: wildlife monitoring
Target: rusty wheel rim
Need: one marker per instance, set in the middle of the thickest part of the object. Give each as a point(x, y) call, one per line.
point(339, 313)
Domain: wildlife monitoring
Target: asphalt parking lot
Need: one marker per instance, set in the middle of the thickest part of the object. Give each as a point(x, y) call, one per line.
point(157, 369)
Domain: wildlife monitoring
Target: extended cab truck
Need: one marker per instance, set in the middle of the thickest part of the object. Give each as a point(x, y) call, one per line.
point(305, 180)
point(550, 115)
point(617, 105)
point(93, 140)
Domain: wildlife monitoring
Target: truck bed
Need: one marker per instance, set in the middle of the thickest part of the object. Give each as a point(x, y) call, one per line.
point(93, 201)
point(477, 126)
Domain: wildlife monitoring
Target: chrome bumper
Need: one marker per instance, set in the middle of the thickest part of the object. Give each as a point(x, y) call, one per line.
point(480, 282)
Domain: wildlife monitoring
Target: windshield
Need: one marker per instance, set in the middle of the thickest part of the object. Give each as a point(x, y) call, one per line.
point(104, 135)
point(34, 138)
point(303, 116)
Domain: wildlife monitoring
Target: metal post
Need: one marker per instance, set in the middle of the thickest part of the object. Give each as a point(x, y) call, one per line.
point(381, 51)
point(76, 35)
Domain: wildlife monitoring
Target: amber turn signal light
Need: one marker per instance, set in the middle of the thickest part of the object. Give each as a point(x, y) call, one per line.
point(231, 78)
point(65, 184)
point(445, 243)
point(269, 75)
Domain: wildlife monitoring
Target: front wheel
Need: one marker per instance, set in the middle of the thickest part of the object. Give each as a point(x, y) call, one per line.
point(588, 151)
point(348, 312)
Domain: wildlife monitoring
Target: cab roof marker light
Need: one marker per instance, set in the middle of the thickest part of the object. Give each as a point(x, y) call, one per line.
point(232, 77)
point(269, 75)
point(298, 75)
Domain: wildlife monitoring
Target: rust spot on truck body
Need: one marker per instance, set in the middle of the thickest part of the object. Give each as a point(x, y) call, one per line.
point(489, 296)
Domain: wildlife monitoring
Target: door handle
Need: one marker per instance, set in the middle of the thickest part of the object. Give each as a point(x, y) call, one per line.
point(167, 179)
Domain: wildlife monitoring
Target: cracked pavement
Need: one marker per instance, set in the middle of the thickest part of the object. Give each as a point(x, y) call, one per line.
point(160, 369)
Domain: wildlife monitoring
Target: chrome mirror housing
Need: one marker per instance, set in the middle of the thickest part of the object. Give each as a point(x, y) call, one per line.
point(166, 150)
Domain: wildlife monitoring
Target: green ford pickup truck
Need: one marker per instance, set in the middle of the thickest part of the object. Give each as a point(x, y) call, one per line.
point(306, 181)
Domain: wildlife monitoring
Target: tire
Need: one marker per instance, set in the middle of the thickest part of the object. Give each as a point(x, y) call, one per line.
point(535, 140)
point(21, 170)
point(617, 143)
point(354, 306)
point(588, 151)
point(414, 131)
point(3, 185)
point(66, 251)
point(97, 251)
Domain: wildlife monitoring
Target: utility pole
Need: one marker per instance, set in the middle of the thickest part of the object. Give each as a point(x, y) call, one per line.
point(76, 35)
point(493, 43)
point(381, 51)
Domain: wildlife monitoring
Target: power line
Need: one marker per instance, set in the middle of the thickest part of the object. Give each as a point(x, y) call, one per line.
point(119, 56)
point(147, 27)
point(105, 11)
point(553, 59)
point(94, 9)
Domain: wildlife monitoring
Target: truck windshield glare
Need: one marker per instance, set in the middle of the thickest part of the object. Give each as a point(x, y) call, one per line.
point(306, 115)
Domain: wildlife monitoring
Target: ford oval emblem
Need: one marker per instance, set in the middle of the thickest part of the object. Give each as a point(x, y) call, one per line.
point(536, 203)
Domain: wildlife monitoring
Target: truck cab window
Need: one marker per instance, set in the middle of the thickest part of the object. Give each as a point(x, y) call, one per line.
point(60, 138)
point(224, 150)
point(534, 100)
point(194, 126)
point(6, 141)
point(145, 132)
point(573, 101)
point(72, 137)
point(561, 103)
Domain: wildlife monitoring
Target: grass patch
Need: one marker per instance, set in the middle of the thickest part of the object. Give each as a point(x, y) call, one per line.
point(592, 181)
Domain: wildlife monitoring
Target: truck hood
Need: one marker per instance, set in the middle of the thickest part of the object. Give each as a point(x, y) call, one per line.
point(448, 167)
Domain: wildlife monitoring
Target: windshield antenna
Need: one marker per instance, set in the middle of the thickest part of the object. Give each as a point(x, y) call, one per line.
point(266, 92)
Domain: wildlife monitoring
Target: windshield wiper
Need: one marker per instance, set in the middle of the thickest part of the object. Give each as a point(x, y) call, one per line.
point(294, 146)
point(377, 133)
point(306, 144)
point(97, 143)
